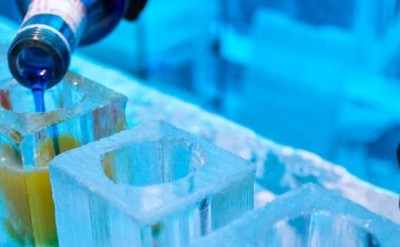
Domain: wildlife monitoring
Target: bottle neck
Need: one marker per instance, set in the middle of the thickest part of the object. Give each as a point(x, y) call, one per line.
point(64, 16)
point(40, 53)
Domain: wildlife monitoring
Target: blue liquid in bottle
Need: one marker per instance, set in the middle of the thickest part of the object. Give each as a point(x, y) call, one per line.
point(36, 68)
point(51, 31)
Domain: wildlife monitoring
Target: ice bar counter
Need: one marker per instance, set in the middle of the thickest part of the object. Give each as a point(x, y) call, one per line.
point(148, 169)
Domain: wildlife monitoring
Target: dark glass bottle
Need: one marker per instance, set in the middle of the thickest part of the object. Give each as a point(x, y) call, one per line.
point(40, 53)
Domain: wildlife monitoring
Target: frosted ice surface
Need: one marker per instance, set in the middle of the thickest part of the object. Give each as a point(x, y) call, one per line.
point(154, 185)
point(307, 216)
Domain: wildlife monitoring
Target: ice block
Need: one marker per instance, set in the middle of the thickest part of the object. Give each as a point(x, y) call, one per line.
point(307, 216)
point(154, 185)
point(79, 111)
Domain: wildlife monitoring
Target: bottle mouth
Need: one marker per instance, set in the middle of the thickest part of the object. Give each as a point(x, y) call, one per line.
point(38, 57)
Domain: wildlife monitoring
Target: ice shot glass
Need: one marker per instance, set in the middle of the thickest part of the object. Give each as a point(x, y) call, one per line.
point(154, 185)
point(307, 216)
point(79, 111)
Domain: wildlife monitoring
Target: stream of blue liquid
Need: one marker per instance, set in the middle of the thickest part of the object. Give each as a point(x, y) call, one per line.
point(38, 96)
point(36, 73)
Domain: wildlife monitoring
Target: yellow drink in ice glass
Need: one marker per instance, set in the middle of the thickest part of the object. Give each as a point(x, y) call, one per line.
point(79, 111)
point(27, 195)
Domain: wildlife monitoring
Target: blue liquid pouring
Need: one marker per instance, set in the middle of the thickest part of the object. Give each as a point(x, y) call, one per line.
point(36, 73)
point(38, 96)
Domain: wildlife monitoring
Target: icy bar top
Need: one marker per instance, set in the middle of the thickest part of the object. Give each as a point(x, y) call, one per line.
point(77, 107)
point(279, 168)
point(307, 216)
point(153, 185)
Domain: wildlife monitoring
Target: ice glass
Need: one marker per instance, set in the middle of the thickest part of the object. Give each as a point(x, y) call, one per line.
point(307, 216)
point(79, 111)
point(154, 185)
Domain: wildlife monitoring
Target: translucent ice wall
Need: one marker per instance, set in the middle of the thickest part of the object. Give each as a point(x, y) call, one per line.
point(328, 79)
point(342, 111)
